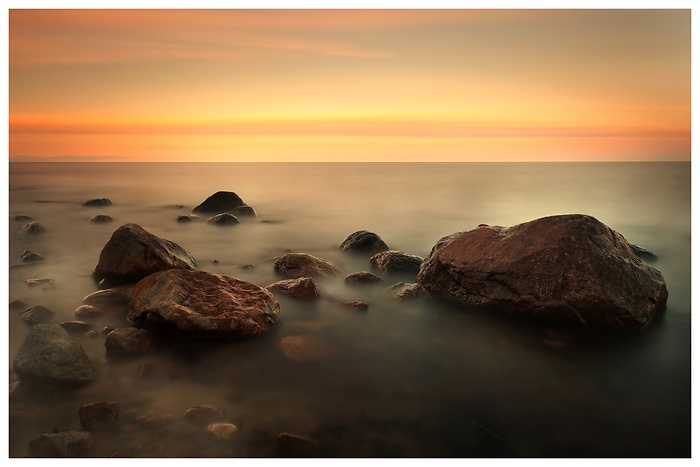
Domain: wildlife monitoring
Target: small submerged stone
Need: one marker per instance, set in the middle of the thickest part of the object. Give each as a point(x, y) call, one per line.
point(353, 305)
point(76, 327)
point(204, 413)
point(101, 219)
point(63, 444)
point(33, 228)
point(21, 218)
point(129, 342)
point(37, 315)
point(30, 256)
point(244, 211)
point(100, 415)
point(44, 282)
point(223, 219)
point(406, 291)
point(305, 265)
point(393, 263)
point(364, 278)
point(98, 202)
point(222, 431)
point(303, 288)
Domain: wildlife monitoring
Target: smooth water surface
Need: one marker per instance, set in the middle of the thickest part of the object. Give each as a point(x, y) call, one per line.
point(412, 378)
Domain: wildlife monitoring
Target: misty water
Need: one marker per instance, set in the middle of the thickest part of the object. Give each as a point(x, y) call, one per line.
point(414, 378)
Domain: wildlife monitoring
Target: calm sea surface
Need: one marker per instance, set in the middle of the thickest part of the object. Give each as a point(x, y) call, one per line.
point(404, 379)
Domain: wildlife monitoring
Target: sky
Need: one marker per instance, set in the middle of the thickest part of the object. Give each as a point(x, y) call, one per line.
point(349, 85)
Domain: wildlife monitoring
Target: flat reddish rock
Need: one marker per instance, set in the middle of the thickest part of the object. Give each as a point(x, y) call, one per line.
point(302, 287)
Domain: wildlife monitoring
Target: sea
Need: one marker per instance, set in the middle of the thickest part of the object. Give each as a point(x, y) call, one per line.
point(404, 379)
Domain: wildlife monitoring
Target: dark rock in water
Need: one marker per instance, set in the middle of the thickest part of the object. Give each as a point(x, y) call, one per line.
point(43, 282)
point(62, 444)
point(363, 241)
point(302, 287)
point(21, 218)
point(244, 211)
point(50, 356)
point(364, 277)
point(395, 263)
point(110, 297)
point(37, 315)
point(643, 253)
point(568, 270)
point(129, 342)
point(200, 304)
point(18, 305)
point(76, 327)
point(185, 218)
point(304, 265)
point(31, 257)
point(100, 415)
point(133, 253)
point(296, 445)
point(204, 413)
point(97, 202)
point(222, 431)
point(353, 305)
point(101, 219)
point(91, 311)
point(32, 228)
point(223, 219)
point(405, 291)
point(221, 201)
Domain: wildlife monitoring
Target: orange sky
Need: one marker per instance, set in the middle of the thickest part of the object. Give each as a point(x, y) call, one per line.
point(380, 85)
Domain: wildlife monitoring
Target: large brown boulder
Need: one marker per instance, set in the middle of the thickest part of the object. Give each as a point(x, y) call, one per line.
point(200, 304)
point(221, 201)
point(566, 269)
point(134, 253)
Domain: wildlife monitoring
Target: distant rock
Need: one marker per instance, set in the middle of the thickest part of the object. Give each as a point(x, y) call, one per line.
point(97, 202)
point(569, 270)
point(199, 304)
point(43, 282)
point(305, 265)
point(133, 253)
point(100, 415)
point(406, 291)
point(363, 241)
point(32, 228)
point(30, 256)
point(221, 201)
point(50, 356)
point(353, 305)
point(395, 263)
point(37, 315)
point(223, 219)
point(101, 219)
point(363, 278)
point(21, 218)
point(204, 413)
point(244, 211)
point(64, 444)
point(129, 342)
point(302, 287)
point(185, 218)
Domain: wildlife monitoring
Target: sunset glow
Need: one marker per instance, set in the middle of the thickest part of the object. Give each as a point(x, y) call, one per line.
point(339, 85)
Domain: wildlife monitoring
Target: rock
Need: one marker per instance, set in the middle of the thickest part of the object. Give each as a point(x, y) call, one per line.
point(302, 287)
point(223, 219)
point(200, 304)
point(129, 342)
point(76, 327)
point(100, 415)
point(31, 257)
point(49, 355)
point(109, 297)
point(363, 241)
point(92, 312)
point(304, 348)
point(97, 202)
point(244, 211)
point(204, 413)
point(44, 282)
point(364, 277)
point(133, 253)
point(185, 218)
point(151, 417)
point(92, 334)
point(32, 228)
point(105, 330)
point(101, 219)
point(305, 265)
point(296, 445)
point(21, 218)
point(221, 201)
point(643, 253)
point(568, 270)
point(395, 263)
point(18, 305)
point(222, 431)
point(37, 315)
point(354, 305)
point(405, 291)
point(62, 444)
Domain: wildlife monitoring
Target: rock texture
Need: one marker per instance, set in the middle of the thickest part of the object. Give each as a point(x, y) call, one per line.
point(302, 287)
point(50, 356)
point(223, 219)
point(363, 241)
point(129, 342)
point(305, 265)
point(570, 269)
point(62, 444)
point(134, 253)
point(200, 304)
point(395, 263)
point(100, 415)
point(221, 201)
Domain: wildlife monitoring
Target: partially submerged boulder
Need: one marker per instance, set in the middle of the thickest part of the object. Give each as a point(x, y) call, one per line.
point(303, 264)
point(221, 201)
point(302, 287)
point(134, 253)
point(363, 241)
point(569, 269)
point(223, 219)
point(49, 356)
point(187, 303)
point(98, 202)
point(32, 228)
point(395, 263)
